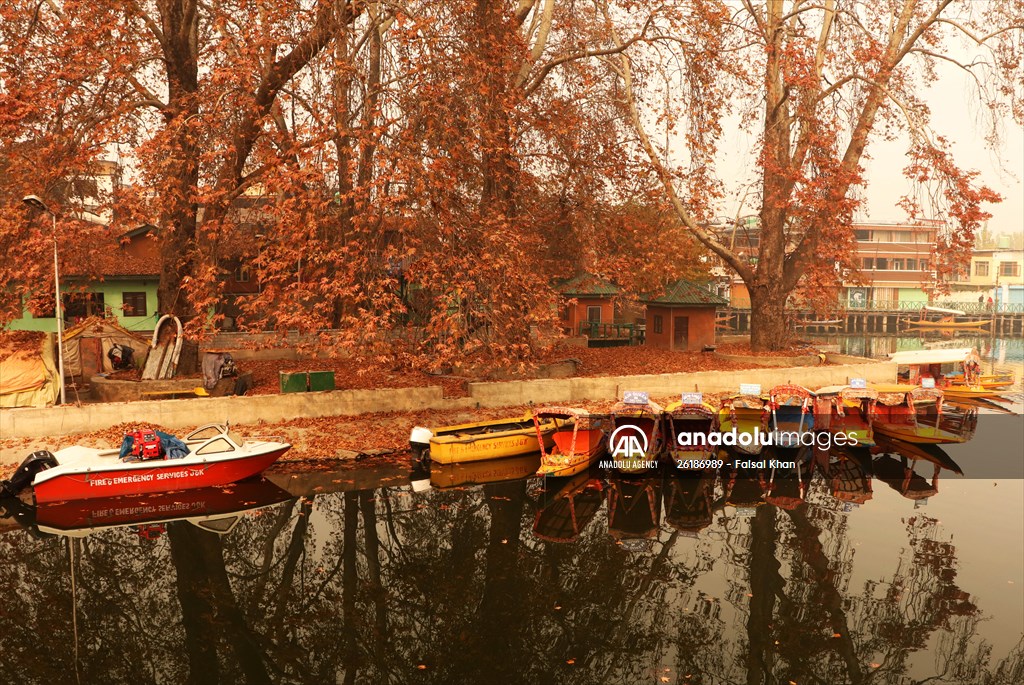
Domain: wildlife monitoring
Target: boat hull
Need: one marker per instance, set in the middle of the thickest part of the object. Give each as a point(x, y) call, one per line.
point(163, 476)
point(472, 442)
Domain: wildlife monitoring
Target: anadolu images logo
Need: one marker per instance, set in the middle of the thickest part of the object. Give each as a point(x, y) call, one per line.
point(628, 442)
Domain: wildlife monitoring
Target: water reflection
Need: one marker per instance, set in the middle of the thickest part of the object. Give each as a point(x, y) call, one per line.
point(740, 576)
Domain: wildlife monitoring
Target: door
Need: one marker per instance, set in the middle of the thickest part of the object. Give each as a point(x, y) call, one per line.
point(680, 332)
point(90, 352)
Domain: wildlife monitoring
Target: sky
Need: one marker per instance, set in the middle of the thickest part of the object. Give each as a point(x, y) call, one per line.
point(955, 115)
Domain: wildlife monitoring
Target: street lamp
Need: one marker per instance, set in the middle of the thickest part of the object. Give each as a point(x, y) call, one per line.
point(36, 203)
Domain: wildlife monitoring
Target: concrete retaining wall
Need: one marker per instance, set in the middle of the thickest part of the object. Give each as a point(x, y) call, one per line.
point(56, 421)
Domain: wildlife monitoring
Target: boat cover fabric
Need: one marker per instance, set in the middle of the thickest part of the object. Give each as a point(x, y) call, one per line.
point(28, 375)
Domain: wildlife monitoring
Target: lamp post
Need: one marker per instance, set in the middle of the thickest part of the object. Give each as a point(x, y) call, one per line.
point(36, 203)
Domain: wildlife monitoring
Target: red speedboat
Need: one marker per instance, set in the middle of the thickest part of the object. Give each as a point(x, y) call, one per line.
point(215, 457)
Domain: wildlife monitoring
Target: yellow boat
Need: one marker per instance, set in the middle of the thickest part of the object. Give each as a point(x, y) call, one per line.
point(484, 440)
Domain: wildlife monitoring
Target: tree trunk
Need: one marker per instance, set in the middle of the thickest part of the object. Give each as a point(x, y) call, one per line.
point(769, 329)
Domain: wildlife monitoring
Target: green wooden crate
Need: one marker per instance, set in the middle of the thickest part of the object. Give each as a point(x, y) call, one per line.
point(321, 380)
point(294, 381)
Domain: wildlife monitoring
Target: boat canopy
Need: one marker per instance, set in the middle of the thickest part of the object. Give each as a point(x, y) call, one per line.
point(858, 394)
point(789, 395)
point(943, 310)
point(941, 356)
point(561, 413)
point(627, 409)
point(745, 402)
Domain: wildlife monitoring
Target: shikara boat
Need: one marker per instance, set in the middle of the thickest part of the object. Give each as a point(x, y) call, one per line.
point(688, 425)
point(957, 372)
point(844, 409)
point(636, 438)
point(792, 416)
point(482, 440)
point(898, 413)
point(566, 512)
point(578, 441)
point(946, 320)
point(215, 457)
point(747, 414)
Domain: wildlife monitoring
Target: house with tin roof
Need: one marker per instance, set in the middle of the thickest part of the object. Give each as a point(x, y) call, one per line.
point(587, 302)
point(682, 317)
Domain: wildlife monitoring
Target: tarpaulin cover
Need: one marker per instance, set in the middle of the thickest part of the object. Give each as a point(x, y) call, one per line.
point(109, 334)
point(28, 375)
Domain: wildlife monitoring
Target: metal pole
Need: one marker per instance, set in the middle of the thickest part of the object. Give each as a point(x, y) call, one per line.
point(60, 314)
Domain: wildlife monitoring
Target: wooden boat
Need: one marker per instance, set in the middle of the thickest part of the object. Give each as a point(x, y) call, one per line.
point(577, 443)
point(691, 420)
point(747, 414)
point(946, 320)
point(844, 409)
point(214, 458)
point(957, 372)
point(482, 440)
point(636, 439)
point(481, 472)
point(897, 415)
point(792, 416)
point(567, 512)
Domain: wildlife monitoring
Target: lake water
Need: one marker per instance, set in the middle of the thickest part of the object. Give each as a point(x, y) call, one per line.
point(871, 574)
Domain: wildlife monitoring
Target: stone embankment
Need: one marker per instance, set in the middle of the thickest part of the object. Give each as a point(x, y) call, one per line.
point(66, 420)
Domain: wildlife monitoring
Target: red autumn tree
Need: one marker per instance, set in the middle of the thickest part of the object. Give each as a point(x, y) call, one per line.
point(813, 83)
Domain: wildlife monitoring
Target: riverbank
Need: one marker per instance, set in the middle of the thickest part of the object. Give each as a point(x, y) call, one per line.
point(360, 419)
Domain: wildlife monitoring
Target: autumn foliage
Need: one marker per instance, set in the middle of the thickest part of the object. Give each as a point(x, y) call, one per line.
point(416, 175)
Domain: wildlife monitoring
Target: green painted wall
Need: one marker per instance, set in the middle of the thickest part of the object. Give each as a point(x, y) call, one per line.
point(112, 299)
point(912, 295)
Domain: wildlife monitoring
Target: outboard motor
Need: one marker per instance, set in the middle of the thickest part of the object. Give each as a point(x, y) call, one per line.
point(22, 478)
point(419, 441)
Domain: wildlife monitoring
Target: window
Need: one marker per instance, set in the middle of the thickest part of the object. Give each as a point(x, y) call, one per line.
point(658, 323)
point(242, 274)
point(862, 234)
point(81, 305)
point(134, 304)
point(1009, 269)
point(981, 268)
point(868, 262)
point(215, 447)
point(896, 265)
point(882, 263)
point(924, 265)
point(911, 264)
point(594, 314)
